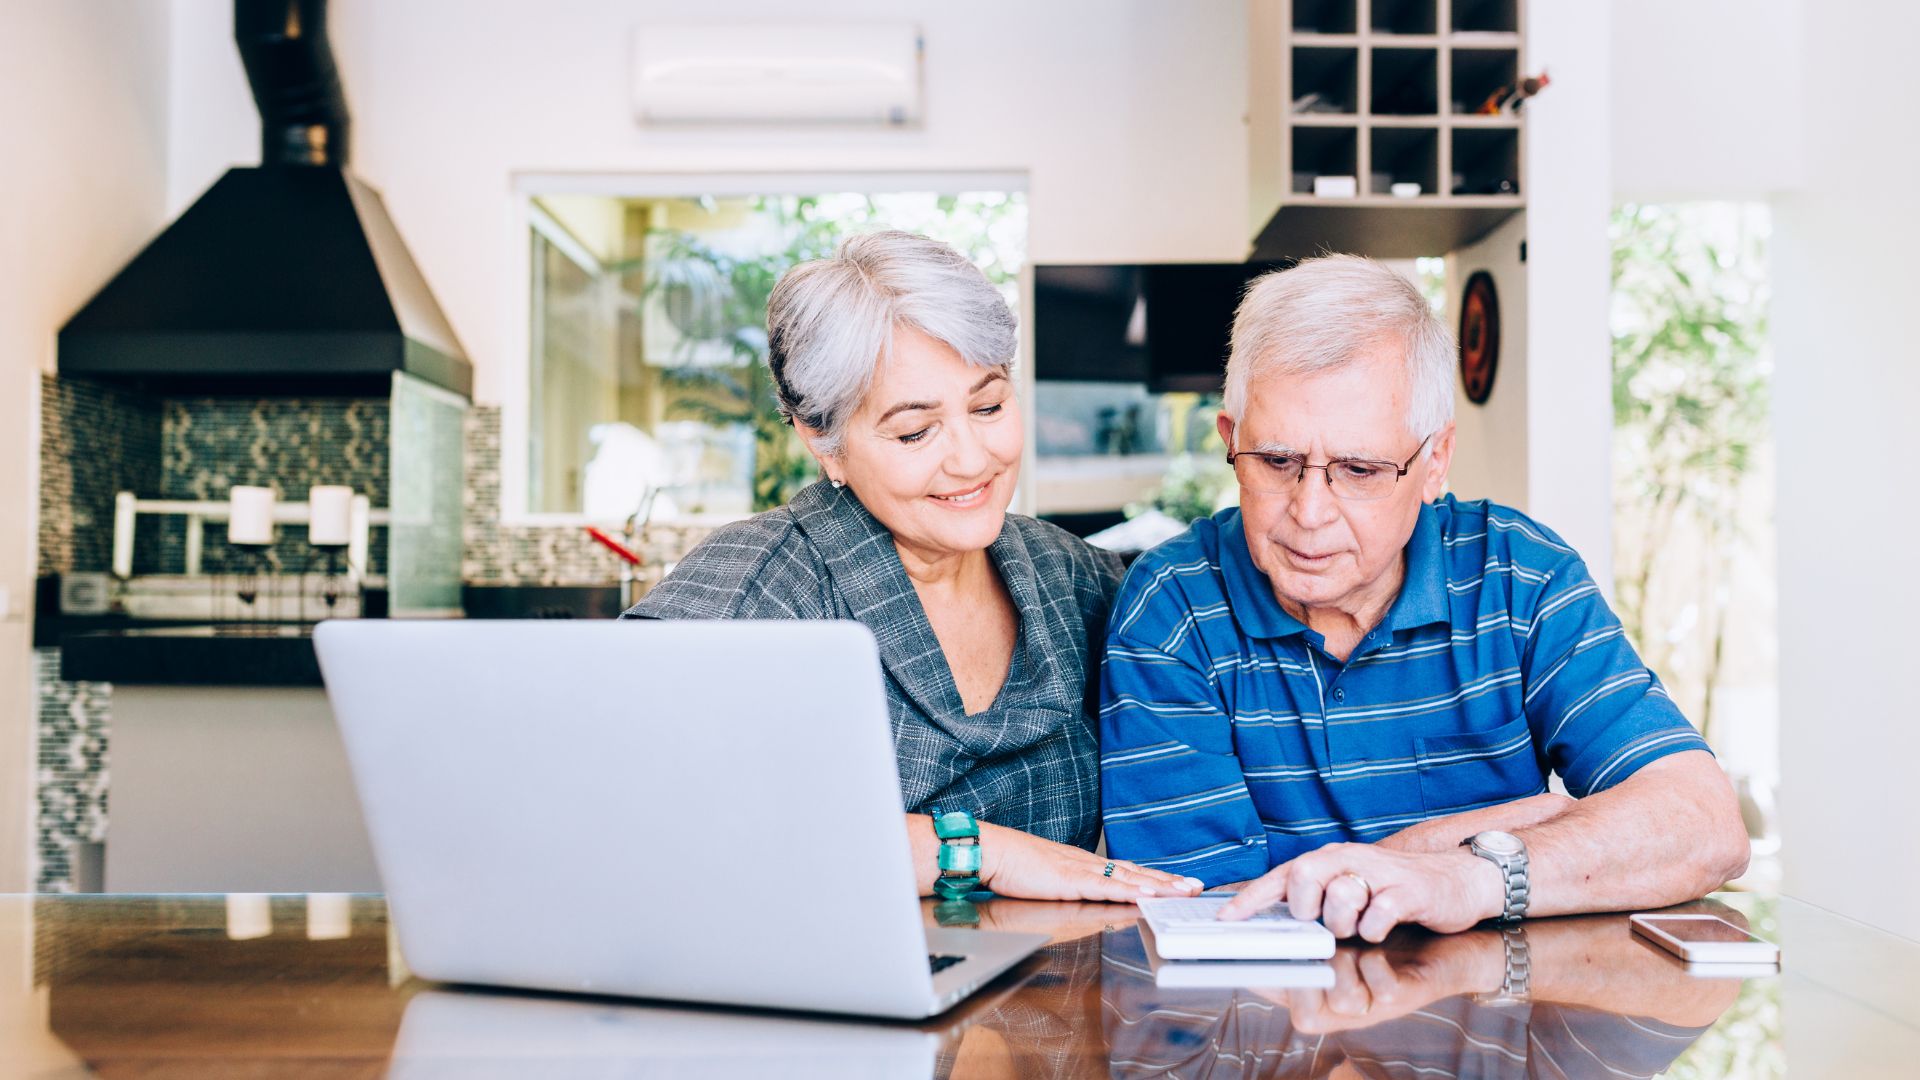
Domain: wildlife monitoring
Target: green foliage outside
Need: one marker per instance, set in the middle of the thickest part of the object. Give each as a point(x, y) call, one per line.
point(715, 295)
point(1196, 484)
point(1690, 405)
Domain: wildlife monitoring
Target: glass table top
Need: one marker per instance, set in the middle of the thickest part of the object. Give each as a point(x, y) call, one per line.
point(213, 986)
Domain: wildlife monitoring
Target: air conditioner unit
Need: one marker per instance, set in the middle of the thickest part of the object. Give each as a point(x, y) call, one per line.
point(793, 73)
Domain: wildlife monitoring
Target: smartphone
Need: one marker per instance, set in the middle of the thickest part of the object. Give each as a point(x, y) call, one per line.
point(1705, 939)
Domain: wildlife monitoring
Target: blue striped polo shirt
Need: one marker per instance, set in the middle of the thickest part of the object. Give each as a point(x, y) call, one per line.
point(1231, 741)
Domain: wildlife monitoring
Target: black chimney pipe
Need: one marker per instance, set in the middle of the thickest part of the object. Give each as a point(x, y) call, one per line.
point(289, 62)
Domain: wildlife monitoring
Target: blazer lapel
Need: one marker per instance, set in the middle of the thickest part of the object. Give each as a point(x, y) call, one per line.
point(1037, 635)
point(871, 582)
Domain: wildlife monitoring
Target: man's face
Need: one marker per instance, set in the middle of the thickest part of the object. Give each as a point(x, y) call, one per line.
point(1319, 550)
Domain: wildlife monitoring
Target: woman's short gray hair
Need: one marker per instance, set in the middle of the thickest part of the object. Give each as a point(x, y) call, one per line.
point(830, 322)
point(1327, 312)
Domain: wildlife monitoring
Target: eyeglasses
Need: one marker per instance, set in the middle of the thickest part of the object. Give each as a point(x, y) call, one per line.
point(1352, 479)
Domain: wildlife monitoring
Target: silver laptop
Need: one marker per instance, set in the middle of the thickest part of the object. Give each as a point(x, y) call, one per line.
point(695, 811)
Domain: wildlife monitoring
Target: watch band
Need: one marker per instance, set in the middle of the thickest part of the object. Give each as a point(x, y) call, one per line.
point(1509, 853)
point(960, 856)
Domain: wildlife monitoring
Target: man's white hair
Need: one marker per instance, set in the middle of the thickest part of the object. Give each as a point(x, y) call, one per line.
point(830, 322)
point(1330, 311)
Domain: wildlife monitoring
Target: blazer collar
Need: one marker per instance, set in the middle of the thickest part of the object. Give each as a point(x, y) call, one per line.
point(873, 584)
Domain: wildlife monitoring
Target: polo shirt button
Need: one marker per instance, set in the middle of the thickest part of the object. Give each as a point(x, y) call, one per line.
point(1246, 841)
point(1339, 695)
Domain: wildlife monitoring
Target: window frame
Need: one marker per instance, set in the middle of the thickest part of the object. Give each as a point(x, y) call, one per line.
point(516, 403)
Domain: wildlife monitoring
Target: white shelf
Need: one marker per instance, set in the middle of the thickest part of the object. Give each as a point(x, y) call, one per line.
point(1401, 67)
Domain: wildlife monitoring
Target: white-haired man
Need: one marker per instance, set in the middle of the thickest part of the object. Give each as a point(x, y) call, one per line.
point(1349, 692)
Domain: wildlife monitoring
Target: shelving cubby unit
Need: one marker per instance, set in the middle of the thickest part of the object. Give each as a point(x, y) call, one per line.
point(1388, 92)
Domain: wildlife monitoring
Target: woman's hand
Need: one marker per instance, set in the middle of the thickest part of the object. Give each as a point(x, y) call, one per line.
point(1022, 865)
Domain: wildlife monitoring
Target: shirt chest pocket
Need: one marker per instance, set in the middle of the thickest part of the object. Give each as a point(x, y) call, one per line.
point(1475, 768)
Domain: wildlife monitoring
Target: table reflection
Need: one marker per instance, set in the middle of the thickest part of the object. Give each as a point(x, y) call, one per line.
point(1559, 997)
point(312, 986)
point(1027, 1024)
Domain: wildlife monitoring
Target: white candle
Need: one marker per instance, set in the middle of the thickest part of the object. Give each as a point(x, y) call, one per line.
point(250, 515)
point(331, 523)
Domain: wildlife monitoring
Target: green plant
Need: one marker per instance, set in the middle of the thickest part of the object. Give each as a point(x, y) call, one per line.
point(1690, 405)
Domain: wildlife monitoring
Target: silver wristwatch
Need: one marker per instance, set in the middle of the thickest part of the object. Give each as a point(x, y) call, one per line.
point(1509, 853)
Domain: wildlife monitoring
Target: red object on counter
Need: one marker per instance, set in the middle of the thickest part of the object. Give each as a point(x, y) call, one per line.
point(614, 546)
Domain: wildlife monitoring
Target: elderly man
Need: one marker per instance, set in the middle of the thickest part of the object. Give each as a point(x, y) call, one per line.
point(1349, 692)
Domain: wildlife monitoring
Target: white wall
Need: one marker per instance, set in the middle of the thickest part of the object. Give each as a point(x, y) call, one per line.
point(1490, 448)
point(1709, 97)
point(1569, 350)
point(1847, 377)
point(82, 178)
point(1126, 117)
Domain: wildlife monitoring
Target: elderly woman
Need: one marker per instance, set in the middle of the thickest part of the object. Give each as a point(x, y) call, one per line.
point(893, 361)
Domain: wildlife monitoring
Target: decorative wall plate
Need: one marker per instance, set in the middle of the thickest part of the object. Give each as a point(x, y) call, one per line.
point(1479, 337)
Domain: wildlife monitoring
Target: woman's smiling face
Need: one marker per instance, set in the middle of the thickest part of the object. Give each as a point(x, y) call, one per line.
point(933, 451)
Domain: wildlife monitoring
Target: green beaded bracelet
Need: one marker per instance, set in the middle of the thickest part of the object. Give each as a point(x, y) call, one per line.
point(959, 858)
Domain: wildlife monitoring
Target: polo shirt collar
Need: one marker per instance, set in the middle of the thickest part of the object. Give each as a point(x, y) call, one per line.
point(1423, 595)
point(1422, 599)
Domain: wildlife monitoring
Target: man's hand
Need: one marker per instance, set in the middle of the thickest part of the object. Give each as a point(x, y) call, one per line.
point(1367, 890)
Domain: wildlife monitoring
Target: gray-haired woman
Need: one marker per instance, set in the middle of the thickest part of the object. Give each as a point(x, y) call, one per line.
point(893, 361)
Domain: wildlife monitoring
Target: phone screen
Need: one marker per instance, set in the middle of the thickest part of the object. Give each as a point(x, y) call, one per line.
point(1701, 931)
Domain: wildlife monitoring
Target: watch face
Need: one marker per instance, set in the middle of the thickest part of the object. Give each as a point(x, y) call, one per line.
point(1500, 843)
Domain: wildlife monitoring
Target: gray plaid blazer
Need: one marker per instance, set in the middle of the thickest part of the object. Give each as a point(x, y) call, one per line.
point(1030, 761)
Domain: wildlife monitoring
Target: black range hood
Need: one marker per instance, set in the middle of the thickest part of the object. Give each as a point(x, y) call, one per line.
point(285, 278)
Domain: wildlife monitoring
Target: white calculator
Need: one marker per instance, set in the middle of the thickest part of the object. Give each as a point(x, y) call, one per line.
point(1189, 928)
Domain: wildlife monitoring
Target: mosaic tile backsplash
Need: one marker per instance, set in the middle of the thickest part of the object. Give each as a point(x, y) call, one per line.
point(208, 445)
point(499, 554)
point(95, 440)
point(98, 440)
point(71, 770)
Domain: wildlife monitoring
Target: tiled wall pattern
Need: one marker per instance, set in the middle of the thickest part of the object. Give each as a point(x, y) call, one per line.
point(71, 773)
point(289, 444)
point(95, 440)
point(497, 554)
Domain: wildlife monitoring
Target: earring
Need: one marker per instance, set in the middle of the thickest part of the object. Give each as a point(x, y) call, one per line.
point(838, 484)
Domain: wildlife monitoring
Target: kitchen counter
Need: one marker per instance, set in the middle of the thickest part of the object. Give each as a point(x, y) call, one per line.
point(243, 654)
point(228, 770)
point(115, 649)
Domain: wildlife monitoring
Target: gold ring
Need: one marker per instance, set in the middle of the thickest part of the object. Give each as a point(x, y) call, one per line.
point(1361, 880)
